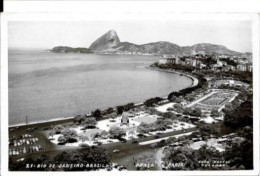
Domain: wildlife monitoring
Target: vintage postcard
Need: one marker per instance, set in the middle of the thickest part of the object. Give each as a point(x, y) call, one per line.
point(132, 92)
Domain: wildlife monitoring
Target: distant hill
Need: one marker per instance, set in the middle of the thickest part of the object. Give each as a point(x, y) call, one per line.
point(208, 48)
point(66, 49)
point(109, 43)
point(157, 48)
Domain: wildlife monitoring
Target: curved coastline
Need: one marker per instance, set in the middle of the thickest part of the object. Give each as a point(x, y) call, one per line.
point(194, 83)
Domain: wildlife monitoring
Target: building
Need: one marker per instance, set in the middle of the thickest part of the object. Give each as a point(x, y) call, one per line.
point(216, 83)
point(201, 53)
point(224, 63)
point(215, 57)
point(190, 62)
point(229, 68)
point(173, 60)
point(125, 118)
point(241, 67)
point(194, 63)
point(218, 65)
point(250, 68)
point(162, 61)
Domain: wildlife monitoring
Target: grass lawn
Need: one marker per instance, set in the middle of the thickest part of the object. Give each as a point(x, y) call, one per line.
point(146, 119)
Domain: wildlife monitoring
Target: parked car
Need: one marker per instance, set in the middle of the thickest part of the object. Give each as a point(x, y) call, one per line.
point(97, 142)
point(156, 137)
point(123, 140)
point(45, 128)
point(30, 130)
point(12, 129)
point(116, 151)
point(134, 141)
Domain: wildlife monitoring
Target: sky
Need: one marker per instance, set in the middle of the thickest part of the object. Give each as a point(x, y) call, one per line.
point(235, 35)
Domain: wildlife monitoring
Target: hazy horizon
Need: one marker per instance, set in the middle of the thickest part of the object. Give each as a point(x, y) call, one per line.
point(235, 35)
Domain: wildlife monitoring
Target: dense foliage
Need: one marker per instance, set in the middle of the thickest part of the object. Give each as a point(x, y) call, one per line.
point(229, 61)
point(58, 128)
point(97, 114)
point(116, 132)
point(189, 157)
point(85, 121)
point(122, 108)
point(89, 122)
point(241, 115)
point(152, 101)
point(68, 136)
point(193, 112)
point(159, 125)
point(86, 155)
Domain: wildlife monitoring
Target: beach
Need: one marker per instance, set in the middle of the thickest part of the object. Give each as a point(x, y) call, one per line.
point(195, 81)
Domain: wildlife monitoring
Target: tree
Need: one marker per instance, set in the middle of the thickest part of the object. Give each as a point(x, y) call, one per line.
point(177, 105)
point(109, 110)
point(193, 112)
point(78, 119)
point(70, 135)
point(189, 97)
point(185, 155)
point(163, 122)
point(97, 155)
point(205, 130)
point(197, 112)
point(143, 128)
point(215, 112)
point(129, 106)
point(62, 139)
point(58, 128)
point(169, 115)
point(52, 133)
point(90, 122)
point(116, 132)
point(152, 101)
point(104, 134)
point(171, 140)
point(97, 114)
point(173, 98)
point(240, 116)
point(83, 138)
point(119, 110)
point(187, 111)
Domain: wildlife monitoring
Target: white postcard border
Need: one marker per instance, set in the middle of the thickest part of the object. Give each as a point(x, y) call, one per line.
point(5, 18)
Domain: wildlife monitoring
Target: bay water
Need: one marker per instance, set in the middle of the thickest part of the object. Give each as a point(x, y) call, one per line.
point(44, 85)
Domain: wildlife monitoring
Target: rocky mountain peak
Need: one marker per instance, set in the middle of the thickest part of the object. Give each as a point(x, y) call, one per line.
point(109, 43)
point(106, 41)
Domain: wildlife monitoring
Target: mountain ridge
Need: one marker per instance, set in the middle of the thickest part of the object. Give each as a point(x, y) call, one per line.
point(109, 43)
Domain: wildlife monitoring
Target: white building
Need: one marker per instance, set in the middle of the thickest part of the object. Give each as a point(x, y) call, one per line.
point(162, 61)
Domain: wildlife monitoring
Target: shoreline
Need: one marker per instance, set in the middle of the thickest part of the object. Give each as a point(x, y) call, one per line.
point(42, 121)
point(195, 81)
point(63, 119)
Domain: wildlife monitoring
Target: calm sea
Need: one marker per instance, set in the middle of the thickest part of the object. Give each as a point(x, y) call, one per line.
point(46, 85)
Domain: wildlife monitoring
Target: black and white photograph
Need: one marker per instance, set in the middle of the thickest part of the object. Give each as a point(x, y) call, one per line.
point(131, 94)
